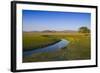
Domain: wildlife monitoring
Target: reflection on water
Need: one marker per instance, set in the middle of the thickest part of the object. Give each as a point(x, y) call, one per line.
point(63, 43)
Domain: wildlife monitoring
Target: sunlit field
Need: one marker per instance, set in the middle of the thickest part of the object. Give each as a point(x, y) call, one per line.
point(55, 35)
point(77, 49)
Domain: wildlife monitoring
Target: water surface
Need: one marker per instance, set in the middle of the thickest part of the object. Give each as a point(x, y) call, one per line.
point(59, 45)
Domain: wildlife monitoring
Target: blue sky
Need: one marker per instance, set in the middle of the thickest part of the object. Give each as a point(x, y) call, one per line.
point(34, 20)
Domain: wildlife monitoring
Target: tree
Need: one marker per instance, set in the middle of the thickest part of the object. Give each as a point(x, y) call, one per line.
point(84, 30)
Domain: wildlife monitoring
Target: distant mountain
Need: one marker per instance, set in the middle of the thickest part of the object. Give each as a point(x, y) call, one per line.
point(49, 31)
point(67, 31)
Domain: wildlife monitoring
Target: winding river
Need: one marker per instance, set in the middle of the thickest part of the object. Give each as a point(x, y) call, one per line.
point(61, 44)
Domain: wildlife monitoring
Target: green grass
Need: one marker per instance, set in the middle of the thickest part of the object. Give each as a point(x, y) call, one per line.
point(33, 41)
point(78, 48)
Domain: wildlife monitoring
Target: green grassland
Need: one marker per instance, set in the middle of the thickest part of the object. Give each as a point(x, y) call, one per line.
point(78, 48)
point(34, 41)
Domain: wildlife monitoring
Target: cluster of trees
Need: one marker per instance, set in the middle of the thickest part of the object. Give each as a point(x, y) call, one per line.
point(84, 30)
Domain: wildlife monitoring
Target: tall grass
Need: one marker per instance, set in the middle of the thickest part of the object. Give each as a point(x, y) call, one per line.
point(79, 47)
point(32, 41)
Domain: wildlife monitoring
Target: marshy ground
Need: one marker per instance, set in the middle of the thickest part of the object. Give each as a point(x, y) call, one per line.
point(79, 47)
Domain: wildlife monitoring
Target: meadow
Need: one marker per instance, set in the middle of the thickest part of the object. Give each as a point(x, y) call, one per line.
point(79, 47)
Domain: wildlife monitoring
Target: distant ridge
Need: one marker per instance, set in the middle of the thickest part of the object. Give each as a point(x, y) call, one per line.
point(67, 31)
